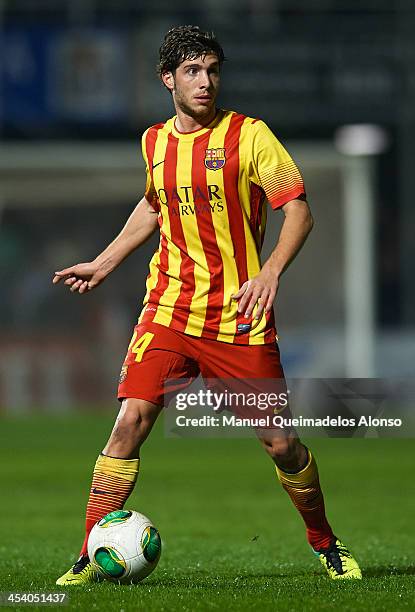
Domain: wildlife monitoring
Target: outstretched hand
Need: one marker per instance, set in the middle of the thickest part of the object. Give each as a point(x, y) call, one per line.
point(81, 278)
point(260, 290)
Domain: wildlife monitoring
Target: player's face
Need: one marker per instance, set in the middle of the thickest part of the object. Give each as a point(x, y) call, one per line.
point(195, 86)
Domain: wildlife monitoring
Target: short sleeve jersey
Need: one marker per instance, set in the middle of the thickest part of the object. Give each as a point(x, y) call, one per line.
point(210, 189)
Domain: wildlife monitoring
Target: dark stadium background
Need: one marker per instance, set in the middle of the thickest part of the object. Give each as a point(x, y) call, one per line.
point(78, 87)
point(335, 81)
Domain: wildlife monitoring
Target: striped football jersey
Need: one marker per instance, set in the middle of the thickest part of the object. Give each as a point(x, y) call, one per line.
point(209, 188)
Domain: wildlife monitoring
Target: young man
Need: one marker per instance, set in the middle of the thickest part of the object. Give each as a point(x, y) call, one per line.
point(208, 307)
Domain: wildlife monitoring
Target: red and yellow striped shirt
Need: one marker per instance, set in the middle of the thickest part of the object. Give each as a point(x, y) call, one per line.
point(209, 188)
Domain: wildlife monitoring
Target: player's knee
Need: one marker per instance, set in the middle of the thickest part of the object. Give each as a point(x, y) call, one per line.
point(131, 424)
point(281, 448)
point(131, 427)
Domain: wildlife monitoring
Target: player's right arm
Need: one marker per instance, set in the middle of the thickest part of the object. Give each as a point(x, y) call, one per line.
point(83, 277)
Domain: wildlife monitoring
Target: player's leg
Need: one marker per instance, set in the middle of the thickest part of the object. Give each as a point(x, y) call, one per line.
point(257, 369)
point(116, 468)
point(114, 477)
point(155, 355)
point(297, 471)
point(260, 367)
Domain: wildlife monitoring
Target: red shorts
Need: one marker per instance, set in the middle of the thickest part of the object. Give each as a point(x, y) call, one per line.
point(157, 354)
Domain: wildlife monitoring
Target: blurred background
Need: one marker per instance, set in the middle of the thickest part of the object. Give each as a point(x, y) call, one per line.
point(335, 80)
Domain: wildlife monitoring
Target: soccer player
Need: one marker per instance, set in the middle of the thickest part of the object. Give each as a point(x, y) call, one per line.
point(208, 306)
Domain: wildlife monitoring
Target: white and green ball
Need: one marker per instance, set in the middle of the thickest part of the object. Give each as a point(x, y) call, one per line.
point(124, 546)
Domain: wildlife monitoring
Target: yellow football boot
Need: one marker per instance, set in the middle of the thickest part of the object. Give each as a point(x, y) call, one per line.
point(339, 562)
point(81, 573)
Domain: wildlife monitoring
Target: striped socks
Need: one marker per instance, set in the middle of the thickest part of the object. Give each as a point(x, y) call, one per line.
point(303, 487)
point(112, 482)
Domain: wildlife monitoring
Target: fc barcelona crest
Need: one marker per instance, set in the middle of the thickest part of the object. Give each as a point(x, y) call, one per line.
point(123, 374)
point(215, 159)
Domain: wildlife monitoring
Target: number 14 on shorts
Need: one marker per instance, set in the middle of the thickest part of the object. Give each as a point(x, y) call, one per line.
point(139, 345)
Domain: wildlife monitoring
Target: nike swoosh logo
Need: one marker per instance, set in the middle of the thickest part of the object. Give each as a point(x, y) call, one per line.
point(99, 492)
point(158, 164)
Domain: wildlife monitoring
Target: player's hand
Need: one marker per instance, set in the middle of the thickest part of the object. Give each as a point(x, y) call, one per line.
point(81, 278)
point(260, 290)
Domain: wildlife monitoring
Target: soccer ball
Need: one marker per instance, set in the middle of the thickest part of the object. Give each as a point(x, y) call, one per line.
point(124, 546)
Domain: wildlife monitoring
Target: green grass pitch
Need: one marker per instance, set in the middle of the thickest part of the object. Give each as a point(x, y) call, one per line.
point(232, 540)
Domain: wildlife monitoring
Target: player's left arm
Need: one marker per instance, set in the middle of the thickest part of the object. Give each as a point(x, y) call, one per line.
point(263, 288)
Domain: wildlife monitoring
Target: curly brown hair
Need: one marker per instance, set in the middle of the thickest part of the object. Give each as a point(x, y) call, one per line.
point(186, 43)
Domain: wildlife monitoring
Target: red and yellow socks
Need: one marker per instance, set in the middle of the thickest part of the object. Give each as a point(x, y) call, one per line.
point(304, 489)
point(112, 482)
point(114, 479)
